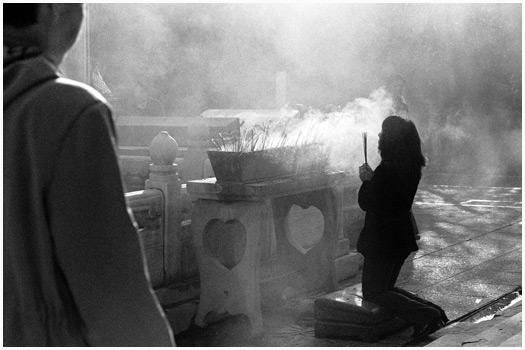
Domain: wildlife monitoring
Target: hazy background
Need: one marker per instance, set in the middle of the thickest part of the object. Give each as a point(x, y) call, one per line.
point(462, 64)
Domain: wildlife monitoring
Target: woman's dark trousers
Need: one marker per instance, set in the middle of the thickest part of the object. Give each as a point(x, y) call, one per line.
point(379, 278)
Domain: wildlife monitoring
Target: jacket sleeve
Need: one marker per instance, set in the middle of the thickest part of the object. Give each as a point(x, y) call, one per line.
point(385, 194)
point(97, 245)
point(371, 196)
point(364, 196)
point(377, 194)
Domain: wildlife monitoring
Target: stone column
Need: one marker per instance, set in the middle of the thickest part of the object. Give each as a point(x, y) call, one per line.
point(163, 176)
point(193, 166)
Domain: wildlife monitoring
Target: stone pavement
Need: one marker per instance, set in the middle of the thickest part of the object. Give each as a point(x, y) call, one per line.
point(504, 329)
point(470, 254)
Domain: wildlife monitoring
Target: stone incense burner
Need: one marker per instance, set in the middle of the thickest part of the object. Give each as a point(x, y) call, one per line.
point(254, 166)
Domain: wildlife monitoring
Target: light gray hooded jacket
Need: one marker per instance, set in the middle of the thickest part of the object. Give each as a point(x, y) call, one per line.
point(74, 271)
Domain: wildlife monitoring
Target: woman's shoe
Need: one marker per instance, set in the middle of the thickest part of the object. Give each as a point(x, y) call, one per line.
point(443, 315)
point(422, 331)
point(415, 297)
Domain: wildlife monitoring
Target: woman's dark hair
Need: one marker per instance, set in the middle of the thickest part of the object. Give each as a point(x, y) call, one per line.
point(400, 147)
point(20, 15)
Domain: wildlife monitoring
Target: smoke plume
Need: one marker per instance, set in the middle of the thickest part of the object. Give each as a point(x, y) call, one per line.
point(461, 63)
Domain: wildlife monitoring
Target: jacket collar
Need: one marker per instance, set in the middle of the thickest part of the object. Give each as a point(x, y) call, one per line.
point(25, 67)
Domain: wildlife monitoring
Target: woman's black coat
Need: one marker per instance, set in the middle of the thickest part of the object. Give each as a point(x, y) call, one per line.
point(388, 232)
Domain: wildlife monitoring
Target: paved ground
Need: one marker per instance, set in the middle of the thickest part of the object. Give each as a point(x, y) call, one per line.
point(470, 254)
point(500, 329)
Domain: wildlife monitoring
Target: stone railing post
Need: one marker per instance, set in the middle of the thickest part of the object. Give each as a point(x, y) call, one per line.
point(192, 167)
point(163, 176)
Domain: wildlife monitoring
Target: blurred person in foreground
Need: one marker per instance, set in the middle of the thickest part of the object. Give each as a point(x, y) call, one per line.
point(74, 270)
point(387, 238)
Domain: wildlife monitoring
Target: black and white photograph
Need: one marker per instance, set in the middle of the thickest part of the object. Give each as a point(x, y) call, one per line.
point(260, 174)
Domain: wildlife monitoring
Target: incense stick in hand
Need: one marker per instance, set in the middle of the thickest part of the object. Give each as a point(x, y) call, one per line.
point(364, 144)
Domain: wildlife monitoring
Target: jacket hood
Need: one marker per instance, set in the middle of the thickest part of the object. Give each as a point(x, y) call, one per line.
point(22, 75)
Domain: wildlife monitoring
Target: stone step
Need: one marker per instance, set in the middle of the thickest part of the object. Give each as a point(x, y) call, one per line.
point(500, 332)
point(514, 341)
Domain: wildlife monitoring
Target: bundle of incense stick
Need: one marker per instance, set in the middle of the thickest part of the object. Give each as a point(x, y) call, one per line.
point(364, 144)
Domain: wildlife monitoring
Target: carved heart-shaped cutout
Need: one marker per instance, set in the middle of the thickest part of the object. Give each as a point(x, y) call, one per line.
point(306, 227)
point(225, 241)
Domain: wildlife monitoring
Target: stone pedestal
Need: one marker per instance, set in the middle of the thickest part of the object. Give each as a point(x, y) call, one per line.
point(228, 214)
point(226, 236)
point(318, 261)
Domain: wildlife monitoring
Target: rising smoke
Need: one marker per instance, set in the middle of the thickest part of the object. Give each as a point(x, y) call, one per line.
point(341, 131)
point(462, 64)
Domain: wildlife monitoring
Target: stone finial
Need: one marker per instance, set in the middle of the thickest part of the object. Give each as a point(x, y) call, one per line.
point(163, 151)
point(198, 130)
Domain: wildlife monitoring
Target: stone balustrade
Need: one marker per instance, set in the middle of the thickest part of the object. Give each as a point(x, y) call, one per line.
point(147, 209)
point(163, 210)
point(193, 135)
point(158, 212)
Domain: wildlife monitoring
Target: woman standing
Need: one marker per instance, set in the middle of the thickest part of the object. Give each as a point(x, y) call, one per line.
point(387, 237)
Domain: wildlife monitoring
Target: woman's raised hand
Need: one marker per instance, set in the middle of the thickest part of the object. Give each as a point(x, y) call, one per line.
point(365, 172)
